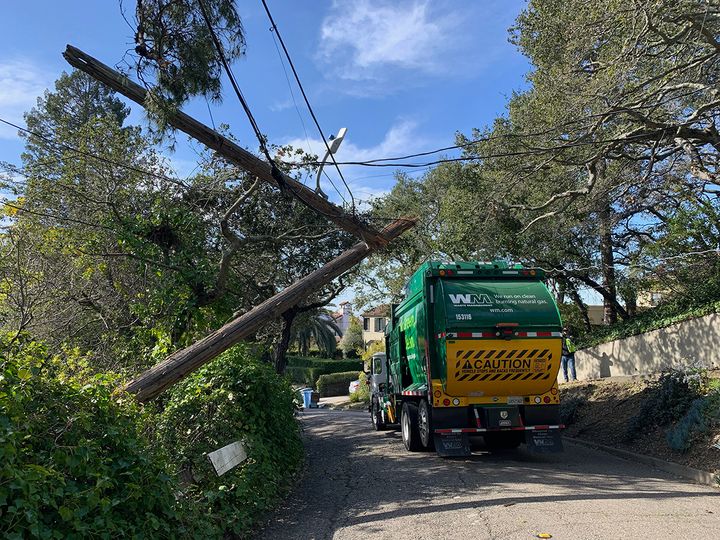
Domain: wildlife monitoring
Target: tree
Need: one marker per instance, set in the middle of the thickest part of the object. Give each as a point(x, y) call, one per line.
point(586, 172)
point(352, 342)
point(315, 327)
point(175, 43)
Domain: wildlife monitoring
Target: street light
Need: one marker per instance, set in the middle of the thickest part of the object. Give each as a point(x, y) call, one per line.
point(335, 142)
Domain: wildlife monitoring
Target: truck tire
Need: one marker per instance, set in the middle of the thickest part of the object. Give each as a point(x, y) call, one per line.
point(425, 428)
point(409, 427)
point(376, 414)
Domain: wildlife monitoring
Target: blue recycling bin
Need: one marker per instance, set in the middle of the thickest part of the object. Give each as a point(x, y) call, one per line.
point(307, 397)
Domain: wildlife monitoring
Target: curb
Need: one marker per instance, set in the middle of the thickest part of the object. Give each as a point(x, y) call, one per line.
point(696, 475)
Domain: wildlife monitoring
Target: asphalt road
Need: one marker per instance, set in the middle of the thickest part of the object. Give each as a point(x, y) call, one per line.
point(362, 484)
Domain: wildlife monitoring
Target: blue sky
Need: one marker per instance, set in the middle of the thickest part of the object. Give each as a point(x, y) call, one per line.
point(402, 76)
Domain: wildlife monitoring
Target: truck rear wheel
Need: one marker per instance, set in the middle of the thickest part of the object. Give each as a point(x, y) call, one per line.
point(377, 416)
point(409, 425)
point(425, 428)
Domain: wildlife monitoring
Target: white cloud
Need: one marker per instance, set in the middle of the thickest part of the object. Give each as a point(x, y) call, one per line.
point(378, 46)
point(21, 83)
point(402, 34)
point(364, 182)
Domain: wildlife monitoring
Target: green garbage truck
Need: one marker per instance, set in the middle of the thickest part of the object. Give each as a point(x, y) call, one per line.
point(472, 350)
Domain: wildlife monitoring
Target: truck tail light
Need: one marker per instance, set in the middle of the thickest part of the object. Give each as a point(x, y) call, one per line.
point(446, 402)
point(546, 399)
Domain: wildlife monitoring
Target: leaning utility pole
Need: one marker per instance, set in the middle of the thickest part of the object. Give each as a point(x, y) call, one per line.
point(226, 148)
point(159, 377)
point(179, 364)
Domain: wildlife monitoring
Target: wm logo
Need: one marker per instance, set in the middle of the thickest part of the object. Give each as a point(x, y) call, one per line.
point(470, 299)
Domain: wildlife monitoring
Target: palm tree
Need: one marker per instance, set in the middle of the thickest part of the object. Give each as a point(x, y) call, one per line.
point(315, 326)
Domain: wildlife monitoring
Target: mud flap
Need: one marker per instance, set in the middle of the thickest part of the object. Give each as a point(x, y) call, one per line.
point(452, 444)
point(544, 441)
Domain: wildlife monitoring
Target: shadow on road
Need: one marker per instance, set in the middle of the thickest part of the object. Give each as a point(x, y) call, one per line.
point(358, 478)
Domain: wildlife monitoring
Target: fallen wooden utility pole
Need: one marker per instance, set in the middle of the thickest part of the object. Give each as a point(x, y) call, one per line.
point(155, 380)
point(226, 148)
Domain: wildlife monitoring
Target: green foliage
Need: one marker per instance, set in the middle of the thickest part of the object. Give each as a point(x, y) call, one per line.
point(336, 384)
point(174, 45)
point(653, 319)
point(363, 392)
point(303, 370)
point(668, 399)
point(375, 347)
point(352, 342)
point(702, 416)
point(316, 327)
point(233, 398)
point(74, 462)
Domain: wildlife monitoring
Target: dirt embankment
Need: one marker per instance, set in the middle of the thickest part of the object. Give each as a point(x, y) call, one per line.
point(606, 411)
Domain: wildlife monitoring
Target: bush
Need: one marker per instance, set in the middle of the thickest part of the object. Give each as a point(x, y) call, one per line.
point(336, 384)
point(659, 317)
point(374, 347)
point(703, 414)
point(363, 391)
point(569, 408)
point(303, 370)
point(669, 399)
point(73, 459)
point(235, 397)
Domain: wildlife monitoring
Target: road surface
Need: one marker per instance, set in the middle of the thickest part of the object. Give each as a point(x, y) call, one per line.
point(362, 484)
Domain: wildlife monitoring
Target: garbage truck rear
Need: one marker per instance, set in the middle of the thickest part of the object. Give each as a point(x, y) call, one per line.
point(472, 350)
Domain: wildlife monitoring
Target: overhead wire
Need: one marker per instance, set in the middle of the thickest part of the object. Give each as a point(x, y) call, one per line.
point(307, 101)
point(297, 109)
point(103, 159)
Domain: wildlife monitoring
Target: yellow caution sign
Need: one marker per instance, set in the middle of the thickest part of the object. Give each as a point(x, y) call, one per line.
point(502, 367)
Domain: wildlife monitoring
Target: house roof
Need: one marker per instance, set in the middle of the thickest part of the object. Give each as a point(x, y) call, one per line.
point(383, 310)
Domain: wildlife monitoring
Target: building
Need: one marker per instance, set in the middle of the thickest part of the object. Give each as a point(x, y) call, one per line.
point(342, 317)
point(374, 323)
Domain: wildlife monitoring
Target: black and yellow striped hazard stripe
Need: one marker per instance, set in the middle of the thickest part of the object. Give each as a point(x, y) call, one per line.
point(532, 376)
point(500, 355)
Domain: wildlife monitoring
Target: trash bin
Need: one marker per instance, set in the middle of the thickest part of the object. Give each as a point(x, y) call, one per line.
point(307, 397)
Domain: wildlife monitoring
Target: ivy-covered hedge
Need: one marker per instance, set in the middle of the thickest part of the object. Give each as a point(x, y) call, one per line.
point(74, 462)
point(233, 398)
point(78, 460)
point(336, 384)
point(303, 370)
point(652, 319)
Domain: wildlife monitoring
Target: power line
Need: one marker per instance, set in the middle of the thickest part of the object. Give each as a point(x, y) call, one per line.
point(307, 101)
point(231, 76)
point(381, 162)
point(95, 156)
point(297, 109)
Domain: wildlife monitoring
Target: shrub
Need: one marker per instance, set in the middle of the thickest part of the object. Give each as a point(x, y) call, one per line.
point(363, 391)
point(336, 384)
point(73, 459)
point(374, 347)
point(703, 414)
point(569, 408)
point(669, 399)
point(303, 370)
point(233, 398)
point(659, 317)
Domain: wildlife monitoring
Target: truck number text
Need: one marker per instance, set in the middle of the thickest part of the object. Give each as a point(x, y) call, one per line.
point(463, 316)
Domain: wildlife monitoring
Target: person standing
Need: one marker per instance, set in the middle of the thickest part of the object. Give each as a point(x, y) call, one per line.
point(568, 355)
